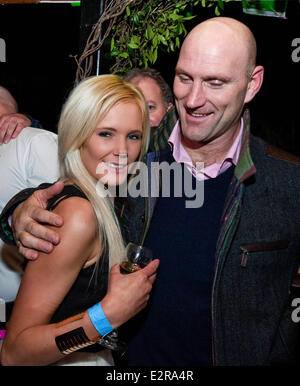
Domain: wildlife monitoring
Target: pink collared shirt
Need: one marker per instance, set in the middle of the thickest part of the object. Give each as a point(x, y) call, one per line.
point(211, 171)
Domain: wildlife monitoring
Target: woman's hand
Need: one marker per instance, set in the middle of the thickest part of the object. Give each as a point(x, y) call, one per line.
point(128, 294)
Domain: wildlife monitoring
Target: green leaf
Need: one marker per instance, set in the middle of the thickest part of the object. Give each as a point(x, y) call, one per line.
point(127, 11)
point(112, 44)
point(220, 4)
point(180, 28)
point(134, 46)
point(174, 16)
point(136, 19)
point(181, 7)
point(188, 18)
point(150, 56)
point(124, 55)
point(135, 39)
point(134, 42)
point(203, 3)
point(155, 55)
point(217, 12)
point(162, 39)
point(149, 32)
point(131, 51)
point(114, 53)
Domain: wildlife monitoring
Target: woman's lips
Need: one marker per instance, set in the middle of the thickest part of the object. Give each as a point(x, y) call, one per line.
point(117, 168)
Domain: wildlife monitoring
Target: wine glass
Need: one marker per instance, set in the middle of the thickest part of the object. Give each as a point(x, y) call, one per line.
point(137, 257)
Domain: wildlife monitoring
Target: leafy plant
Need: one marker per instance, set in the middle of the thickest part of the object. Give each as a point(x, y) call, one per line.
point(149, 26)
point(138, 29)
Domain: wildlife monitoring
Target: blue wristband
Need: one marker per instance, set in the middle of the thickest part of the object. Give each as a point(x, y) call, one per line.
point(99, 320)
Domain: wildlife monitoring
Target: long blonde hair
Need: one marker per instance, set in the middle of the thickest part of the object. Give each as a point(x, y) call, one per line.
point(85, 107)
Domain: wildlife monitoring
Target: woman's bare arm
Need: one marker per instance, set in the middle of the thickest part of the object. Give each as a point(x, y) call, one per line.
point(30, 339)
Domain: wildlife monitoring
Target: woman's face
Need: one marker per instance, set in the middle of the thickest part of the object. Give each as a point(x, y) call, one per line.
point(115, 144)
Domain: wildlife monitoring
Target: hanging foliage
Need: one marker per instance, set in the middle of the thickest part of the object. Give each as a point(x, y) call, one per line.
point(137, 30)
point(149, 26)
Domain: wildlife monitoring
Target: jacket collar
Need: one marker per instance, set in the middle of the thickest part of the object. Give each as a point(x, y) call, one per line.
point(159, 138)
point(245, 166)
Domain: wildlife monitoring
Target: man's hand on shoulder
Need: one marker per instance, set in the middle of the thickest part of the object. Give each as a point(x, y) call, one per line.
point(28, 219)
point(11, 126)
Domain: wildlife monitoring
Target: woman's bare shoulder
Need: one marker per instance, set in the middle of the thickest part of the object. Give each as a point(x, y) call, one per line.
point(79, 231)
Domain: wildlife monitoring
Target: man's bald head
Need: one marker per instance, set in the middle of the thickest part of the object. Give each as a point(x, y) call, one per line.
point(229, 32)
point(8, 104)
point(215, 77)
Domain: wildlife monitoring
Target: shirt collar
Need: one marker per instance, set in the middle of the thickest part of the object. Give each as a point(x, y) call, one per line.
point(211, 171)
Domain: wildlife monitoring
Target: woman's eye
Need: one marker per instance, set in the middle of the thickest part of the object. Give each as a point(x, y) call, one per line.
point(104, 134)
point(135, 136)
point(151, 107)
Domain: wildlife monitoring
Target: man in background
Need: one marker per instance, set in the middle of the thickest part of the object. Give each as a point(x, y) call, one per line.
point(156, 91)
point(26, 161)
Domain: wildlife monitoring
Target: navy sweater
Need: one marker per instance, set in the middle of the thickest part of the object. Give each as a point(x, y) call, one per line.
point(175, 327)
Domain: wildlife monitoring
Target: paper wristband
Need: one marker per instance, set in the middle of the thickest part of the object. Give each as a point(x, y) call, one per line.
point(99, 320)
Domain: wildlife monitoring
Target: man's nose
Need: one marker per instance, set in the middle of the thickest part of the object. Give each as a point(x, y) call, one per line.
point(196, 97)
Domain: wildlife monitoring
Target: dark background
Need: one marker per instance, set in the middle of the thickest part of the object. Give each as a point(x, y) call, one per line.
point(39, 71)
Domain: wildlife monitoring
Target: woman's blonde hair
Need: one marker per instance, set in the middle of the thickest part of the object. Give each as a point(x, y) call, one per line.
point(85, 107)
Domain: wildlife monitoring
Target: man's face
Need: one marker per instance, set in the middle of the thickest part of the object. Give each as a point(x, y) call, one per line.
point(154, 98)
point(210, 86)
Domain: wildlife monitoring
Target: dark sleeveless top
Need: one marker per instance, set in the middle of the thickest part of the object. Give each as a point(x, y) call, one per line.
point(90, 286)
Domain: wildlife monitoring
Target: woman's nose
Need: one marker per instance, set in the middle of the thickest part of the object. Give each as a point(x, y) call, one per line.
point(120, 149)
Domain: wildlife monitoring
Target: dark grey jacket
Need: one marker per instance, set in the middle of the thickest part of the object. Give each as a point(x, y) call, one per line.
point(257, 258)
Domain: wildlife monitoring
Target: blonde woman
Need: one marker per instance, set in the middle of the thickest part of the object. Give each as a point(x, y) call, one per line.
point(65, 303)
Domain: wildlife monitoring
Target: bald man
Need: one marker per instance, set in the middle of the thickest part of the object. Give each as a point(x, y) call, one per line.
point(12, 122)
point(223, 291)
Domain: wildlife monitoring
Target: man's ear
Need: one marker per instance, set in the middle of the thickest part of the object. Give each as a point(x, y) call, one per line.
point(255, 83)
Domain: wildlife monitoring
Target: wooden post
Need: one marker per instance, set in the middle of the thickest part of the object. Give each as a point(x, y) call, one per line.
point(91, 10)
